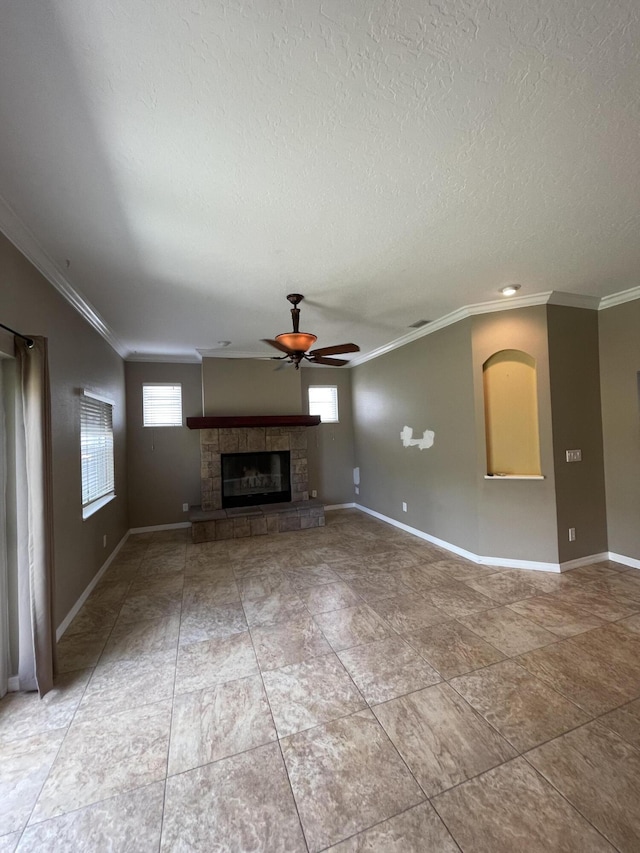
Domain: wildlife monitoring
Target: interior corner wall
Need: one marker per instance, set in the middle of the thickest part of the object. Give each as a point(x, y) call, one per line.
point(163, 462)
point(425, 385)
point(516, 518)
point(330, 446)
point(619, 334)
point(577, 425)
point(249, 386)
point(78, 358)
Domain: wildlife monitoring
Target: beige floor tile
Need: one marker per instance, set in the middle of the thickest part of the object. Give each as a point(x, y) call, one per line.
point(214, 662)
point(288, 642)
point(25, 714)
point(422, 577)
point(625, 588)
point(122, 824)
point(418, 830)
point(632, 623)
point(240, 803)
point(308, 577)
point(352, 626)
point(329, 596)
point(562, 619)
point(503, 588)
point(378, 585)
point(203, 622)
point(598, 773)
point(93, 618)
point(407, 613)
point(105, 757)
point(169, 585)
point(255, 564)
point(523, 709)
point(598, 603)
point(625, 721)
point(511, 808)
point(8, 843)
point(151, 605)
point(386, 669)
point(259, 586)
point(80, 651)
point(391, 561)
point(217, 722)
point(545, 582)
point(453, 649)
point(464, 570)
point(346, 777)
point(211, 592)
point(613, 645)
point(128, 640)
point(458, 599)
point(124, 684)
point(581, 677)
point(441, 738)
point(274, 608)
point(507, 631)
point(109, 593)
point(24, 766)
point(157, 565)
point(591, 573)
point(315, 691)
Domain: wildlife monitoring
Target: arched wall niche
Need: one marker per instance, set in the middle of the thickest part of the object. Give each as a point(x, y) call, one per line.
point(511, 414)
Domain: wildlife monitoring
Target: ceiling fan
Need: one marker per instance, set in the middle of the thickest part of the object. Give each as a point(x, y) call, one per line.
point(296, 344)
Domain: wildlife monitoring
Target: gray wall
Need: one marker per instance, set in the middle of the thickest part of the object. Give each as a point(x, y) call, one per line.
point(620, 366)
point(163, 462)
point(330, 446)
point(246, 386)
point(78, 358)
point(577, 424)
point(427, 384)
point(516, 518)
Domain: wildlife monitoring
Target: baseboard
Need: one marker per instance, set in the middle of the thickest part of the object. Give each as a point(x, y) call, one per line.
point(626, 561)
point(68, 619)
point(340, 506)
point(584, 561)
point(156, 527)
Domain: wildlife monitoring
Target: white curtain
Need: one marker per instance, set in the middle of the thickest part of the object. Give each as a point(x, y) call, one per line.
point(36, 628)
point(4, 581)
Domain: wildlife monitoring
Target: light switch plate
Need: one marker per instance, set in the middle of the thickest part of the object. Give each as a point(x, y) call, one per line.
point(574, 455)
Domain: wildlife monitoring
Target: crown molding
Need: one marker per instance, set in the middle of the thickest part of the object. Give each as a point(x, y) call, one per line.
point(619, 298)
point(574, 300)
point(162, 359)
point(24, 240)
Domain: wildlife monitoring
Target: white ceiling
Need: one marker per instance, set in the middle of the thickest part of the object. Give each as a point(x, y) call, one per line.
point(197, 160)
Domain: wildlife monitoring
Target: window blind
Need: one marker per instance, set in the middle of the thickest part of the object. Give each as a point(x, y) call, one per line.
point(323, 401)
point(96, 449)
point(161, 405)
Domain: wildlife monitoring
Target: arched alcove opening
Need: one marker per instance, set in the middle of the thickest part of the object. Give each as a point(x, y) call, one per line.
point(511, 414)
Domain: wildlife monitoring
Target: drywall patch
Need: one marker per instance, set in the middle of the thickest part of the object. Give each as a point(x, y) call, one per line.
point(423, 443)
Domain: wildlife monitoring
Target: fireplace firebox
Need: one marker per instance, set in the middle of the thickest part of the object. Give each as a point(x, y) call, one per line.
point(250, 479)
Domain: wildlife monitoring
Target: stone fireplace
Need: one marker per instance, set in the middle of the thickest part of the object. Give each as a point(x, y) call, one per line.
point(253, 438)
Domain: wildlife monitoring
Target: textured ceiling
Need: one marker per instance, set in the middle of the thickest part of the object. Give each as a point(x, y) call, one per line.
point(393, 161)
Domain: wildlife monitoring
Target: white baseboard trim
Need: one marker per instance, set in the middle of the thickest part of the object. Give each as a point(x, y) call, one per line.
point(626, 561)
point(68, 619)
point(502, 562)
point(13, 684)
point(156, 527)
point(340, 506)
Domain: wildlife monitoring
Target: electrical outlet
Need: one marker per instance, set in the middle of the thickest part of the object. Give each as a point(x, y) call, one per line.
point(357, 490)
point(104, 541)
point(185, 507)
point(572, 534)
point(404, 506)
point(314, 493)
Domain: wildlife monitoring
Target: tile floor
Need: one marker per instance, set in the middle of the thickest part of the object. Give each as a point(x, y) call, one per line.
point(351, 688)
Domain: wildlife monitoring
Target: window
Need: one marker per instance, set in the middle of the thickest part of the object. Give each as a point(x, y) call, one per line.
point(96, 452)
point(161, 405)
point(323, 401)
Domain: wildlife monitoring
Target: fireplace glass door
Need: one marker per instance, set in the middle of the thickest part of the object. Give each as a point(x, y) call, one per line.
point(249, 479)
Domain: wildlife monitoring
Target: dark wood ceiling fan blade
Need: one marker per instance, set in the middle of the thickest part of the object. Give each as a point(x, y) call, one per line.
point(275, 344)
point(334, 362)
point(335, 350)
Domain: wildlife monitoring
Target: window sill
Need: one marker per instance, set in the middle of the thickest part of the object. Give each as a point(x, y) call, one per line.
point(92, 508)
point(514, 477)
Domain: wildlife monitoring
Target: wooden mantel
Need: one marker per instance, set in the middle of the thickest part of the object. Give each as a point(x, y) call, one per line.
point(227, 421)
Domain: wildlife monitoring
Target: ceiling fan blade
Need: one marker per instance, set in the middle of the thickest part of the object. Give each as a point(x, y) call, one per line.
point(334, 362)
point(335, 350)
point(275, 344)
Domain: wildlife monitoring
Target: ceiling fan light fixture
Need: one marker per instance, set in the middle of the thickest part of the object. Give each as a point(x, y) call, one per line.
point(510, 289)
point(296, 341)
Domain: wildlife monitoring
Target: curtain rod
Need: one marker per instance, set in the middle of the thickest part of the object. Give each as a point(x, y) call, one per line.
point(29, 341)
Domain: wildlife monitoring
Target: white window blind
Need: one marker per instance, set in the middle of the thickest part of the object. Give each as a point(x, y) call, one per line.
point(161, 405)
point(323, 401)
point(96, 449)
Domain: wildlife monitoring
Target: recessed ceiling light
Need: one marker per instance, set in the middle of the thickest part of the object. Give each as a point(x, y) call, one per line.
point(510, 289)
